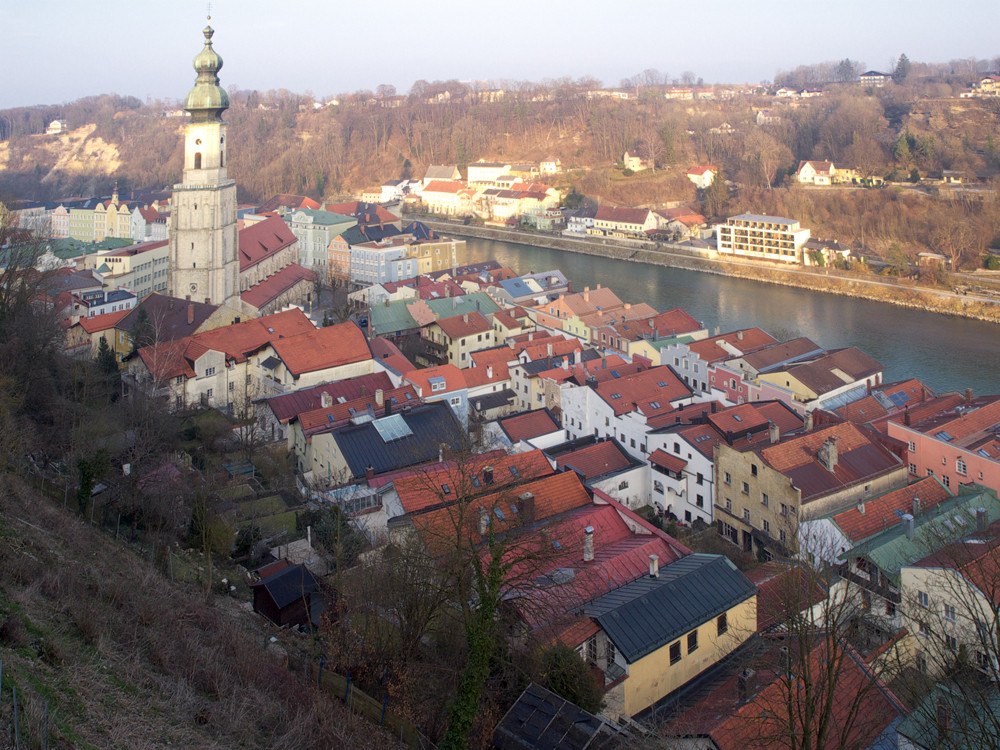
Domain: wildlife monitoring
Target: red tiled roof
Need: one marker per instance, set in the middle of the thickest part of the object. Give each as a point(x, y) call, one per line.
point(103, 322)
point(702, 170)
point(454, 379)
point(369, 213)
point(323, 348)
point(286, 200)
point(560, 346)
point(595, 460)
point(649, 391)
point(267, 291)
point(390, 355)
point(553, 495)
point(828, 372)
point(506, 320)
point(262, 240)
point(468, 324)
point(443, 186)
point(783, 591)
point(622, 215)
point(500, 355)
point(964, 425)
point(423, 488)
point(529, 425)
point(859, 458)
point(289, 405)
point(752, 339)
point(337, 413)
point(482, 375)
point(880, 513)
point(664, 460)
point(173, 358)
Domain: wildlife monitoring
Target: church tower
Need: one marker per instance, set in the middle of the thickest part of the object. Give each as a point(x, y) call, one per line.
point(204, 263)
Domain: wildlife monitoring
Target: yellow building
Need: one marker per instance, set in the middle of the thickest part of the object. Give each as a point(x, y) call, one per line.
point(451, 340)
point(661, 631)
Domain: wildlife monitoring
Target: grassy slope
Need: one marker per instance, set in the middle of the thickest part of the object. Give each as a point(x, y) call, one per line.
point(126, 658)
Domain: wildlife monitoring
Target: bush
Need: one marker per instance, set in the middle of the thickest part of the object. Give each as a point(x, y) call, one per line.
point(567, 675)
point(627, 172)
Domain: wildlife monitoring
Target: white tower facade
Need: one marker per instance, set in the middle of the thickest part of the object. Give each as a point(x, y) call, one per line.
point(204, 262)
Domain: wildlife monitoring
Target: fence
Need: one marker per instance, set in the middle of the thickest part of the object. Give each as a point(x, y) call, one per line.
point(375, 711)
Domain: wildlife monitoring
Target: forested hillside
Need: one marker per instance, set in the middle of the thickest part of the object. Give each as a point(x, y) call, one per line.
point(284, 142)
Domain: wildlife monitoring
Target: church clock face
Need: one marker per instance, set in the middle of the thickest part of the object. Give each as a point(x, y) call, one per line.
point(194, 287)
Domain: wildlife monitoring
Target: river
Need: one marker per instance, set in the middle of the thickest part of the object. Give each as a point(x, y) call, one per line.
point(946, 353)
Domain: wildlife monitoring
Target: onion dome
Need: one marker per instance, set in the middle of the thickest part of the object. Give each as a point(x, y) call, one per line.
point(207, 100)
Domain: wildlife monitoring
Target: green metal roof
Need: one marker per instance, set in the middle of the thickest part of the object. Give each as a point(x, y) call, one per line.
point(948, 522)
point(388, 319)
point(326, 218)
point(391, 318)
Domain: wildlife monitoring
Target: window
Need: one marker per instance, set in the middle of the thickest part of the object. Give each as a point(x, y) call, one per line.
point(746, 515)
point(949, 612)
point(951, 642)
point(960, 467)
point(767, 526)
point(746, 488)
point(784, 509)
point(921, 662)
point(692, 641)
point(721, 624)
point(890, 609)
point(675, 652)
point(677, 448)
point(764, 499)
point(782, 536)
point(658, 486)
point(179, 380)
point(209, 393)
point(700, 479)
point(232, 386)
point(623, 485)
point(700, 501)
point(209, 372)
point(913, 469)
point(912, 446)
point(456, 400)
point(609, 652)
point(632, 442)
point(729, 479)
point(982, 661)
point(592, 648)
point(925, 629)
point(946, 480)
point(729, 505)
point(753, 469)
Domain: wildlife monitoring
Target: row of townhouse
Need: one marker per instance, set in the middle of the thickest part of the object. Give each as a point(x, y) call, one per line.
point(142, 216)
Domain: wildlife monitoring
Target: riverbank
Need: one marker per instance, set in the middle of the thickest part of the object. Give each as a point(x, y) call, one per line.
point(878, 289)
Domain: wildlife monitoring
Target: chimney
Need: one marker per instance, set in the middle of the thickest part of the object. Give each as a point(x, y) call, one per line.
point(775, 430)
point(379, 397)
point(968, 397)
point(586, 295)
point(190, 314)
point(916, 506)
point(717, 330)
point(746, 684)
point(565, 363)
point(739, 335)
point(170, 304)
point(908, 525)
point(981, 520)
point(828, 454)
point(484, 521)
point(654, 566)
point(628, 306)
point(370, 472)
point(309, 535)
point(861, 507)
point(588, 544)
point(943, 717)
point(548, 349)
point(325, 399)
point(487, 475)
point(489, 371)
point(465, 318)
point(809, 422)
point(526, 504)
point(388, 407)
point(906, 416)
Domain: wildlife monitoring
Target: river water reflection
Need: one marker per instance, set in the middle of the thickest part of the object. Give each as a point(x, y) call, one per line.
point(946, 353)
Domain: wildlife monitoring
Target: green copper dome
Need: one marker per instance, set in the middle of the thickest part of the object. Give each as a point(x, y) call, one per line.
point(207, 100)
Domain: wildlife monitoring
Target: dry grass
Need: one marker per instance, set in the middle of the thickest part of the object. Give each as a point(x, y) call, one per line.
point(125, 658)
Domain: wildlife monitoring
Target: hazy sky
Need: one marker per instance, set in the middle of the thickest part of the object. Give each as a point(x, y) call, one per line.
point(54, 51)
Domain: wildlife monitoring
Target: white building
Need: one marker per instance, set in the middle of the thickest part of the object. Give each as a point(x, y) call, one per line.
point(762, 237)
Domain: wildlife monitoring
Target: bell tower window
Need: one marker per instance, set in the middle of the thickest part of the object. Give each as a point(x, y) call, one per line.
point(197, 160)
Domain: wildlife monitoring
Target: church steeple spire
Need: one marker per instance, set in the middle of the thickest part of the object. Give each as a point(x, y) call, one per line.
point(207, 100)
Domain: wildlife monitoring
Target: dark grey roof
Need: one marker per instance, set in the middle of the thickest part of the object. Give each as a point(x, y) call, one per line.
point(289, 584)
point(541, 720)
point(492, 400)
point(649, 613)
point(430, 425)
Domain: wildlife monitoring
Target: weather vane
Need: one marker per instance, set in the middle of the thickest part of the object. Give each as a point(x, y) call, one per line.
point(209, 11)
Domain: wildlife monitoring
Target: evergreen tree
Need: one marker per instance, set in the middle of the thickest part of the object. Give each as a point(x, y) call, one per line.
point(717, 196)
point(105, 360)
point(902, 69)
